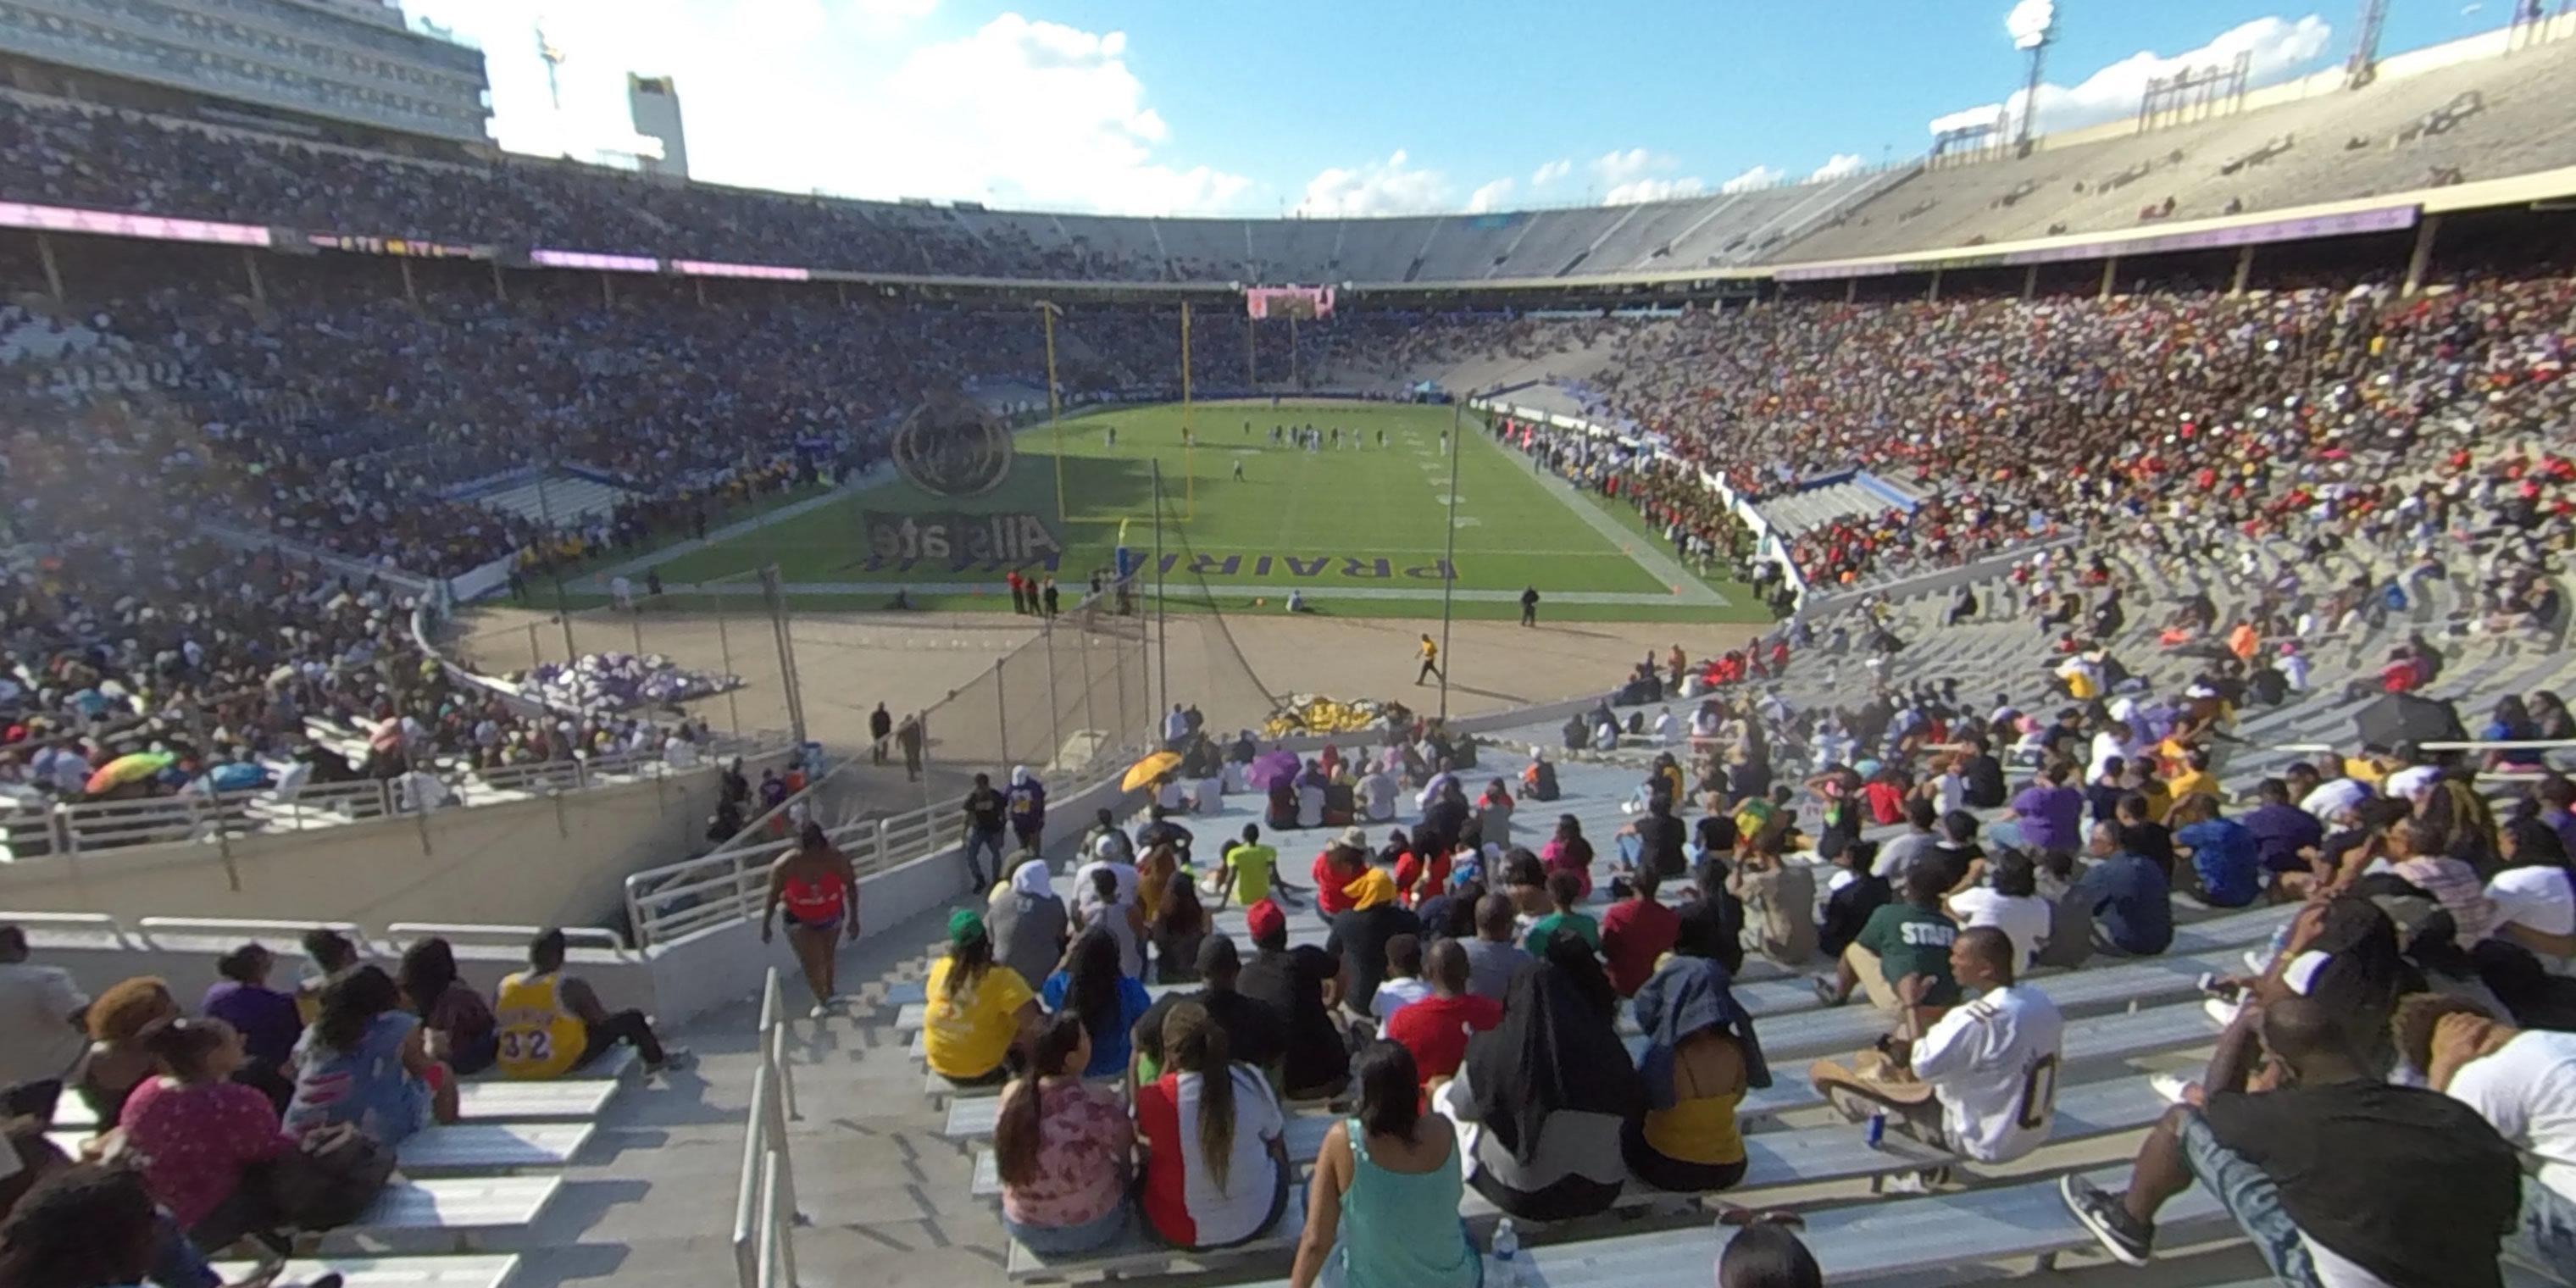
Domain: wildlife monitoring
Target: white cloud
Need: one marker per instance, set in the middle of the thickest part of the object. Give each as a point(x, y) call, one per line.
point(2279, 47)
point(1489, 197)
point(1641, 190)
point(1836, 166)
point(1760, 176)
point(1551, 172)
point(1392, 186)
point(1620, 167)
point(815, 95)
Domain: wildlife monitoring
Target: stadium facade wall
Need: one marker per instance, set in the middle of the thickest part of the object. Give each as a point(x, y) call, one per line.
point(562, 859)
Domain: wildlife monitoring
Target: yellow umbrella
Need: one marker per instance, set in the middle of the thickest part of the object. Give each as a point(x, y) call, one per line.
point(1149, 769)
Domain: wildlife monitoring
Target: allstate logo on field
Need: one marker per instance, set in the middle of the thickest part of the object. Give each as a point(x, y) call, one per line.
point(953, 447)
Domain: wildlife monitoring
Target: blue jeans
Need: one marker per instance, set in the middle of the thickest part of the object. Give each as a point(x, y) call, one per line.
point(1066, 1240)
point(977, 843)
point(2546, 1237)
point(2251, 1198)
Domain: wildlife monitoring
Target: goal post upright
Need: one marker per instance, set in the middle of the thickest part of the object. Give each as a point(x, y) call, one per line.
point(1189, 439)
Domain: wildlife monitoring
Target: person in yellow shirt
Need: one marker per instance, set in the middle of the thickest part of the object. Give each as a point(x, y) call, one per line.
point(977, 1010)
point(1430, 654)
point(550, 1023)
point(2194, 778)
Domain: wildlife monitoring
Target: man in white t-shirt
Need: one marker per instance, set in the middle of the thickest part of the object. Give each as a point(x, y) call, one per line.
point(2010, 903)
point(40, 1040)
point(2523, 1081)
point(1989, 1066)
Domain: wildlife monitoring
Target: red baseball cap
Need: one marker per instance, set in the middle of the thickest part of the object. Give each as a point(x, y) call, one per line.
point(1264, 919)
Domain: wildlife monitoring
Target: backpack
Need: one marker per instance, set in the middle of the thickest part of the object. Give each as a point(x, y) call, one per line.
point(330, 1179)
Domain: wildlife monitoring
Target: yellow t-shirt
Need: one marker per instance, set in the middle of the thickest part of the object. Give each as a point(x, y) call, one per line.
point(967, 1037)
point(539, 1036)
point(1252, 865)
point(2190, 781)
point(1697, 1131)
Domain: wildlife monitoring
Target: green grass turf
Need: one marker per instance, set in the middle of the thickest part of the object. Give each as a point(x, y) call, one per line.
point(1374, 517)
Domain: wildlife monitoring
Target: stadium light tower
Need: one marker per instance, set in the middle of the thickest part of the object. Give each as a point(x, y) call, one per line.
point(2032, 23)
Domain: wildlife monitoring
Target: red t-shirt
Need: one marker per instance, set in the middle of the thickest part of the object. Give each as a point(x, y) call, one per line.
point(1634, 932)
point(1435, 1030)
point(1328, 887)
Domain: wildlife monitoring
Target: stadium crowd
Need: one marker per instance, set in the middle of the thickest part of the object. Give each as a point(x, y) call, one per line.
point(267, 1112)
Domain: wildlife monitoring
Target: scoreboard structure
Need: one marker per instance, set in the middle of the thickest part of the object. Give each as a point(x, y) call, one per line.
point(1302, 303)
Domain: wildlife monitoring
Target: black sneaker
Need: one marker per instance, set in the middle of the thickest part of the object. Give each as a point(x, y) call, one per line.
point(2109, 1222)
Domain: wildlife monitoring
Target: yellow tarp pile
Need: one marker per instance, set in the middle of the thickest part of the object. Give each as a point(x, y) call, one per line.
point(1307, 713)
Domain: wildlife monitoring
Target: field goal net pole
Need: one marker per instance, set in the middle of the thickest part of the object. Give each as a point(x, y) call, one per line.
point(1055, 408)
point(1189, 439)
point(1449, 560)
point(1162, 601)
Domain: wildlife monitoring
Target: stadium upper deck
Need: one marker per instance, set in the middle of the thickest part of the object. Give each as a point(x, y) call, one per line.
point(2469, 111)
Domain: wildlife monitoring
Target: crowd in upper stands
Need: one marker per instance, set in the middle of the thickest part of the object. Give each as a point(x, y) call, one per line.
point(266, 1111)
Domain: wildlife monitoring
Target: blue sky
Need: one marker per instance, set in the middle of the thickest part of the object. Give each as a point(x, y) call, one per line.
point(1344, 106)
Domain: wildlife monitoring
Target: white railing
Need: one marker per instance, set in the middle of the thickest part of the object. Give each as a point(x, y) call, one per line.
point(765, 1216)
point(732, 883)
point(36, 829)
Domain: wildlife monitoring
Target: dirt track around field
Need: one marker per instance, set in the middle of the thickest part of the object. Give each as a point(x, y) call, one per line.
point(849, 662)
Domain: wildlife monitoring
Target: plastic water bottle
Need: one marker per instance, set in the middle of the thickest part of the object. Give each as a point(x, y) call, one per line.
point(1877, 1136)
point(1506, 1269)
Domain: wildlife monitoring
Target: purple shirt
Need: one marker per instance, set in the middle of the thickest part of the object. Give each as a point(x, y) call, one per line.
point(267, 1018)
point(2280, 832)
point(2052, 818)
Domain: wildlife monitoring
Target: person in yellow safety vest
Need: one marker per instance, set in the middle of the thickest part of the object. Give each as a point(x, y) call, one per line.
point(551, 1023)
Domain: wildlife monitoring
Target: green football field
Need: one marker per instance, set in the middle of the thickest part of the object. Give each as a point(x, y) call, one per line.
point(1360, 530)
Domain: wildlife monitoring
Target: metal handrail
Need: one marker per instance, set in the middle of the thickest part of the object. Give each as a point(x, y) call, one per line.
point(765, 1212)
point(732, 884)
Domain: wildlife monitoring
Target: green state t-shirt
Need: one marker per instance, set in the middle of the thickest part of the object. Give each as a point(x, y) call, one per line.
point(1913, 941)
point(1252, 865)
point(1535, 942)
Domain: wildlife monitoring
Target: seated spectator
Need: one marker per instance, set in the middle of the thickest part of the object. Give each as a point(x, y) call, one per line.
point(551, 1023)
point(265, 1019)
point(41, 1032)
point(1402, 985)
point(1552, 1090)
point(976, 1008)
point(1765, 1254)
point(2336, 1175)
point(1178, 927)
point(1436, 1028)
point(118, 1060)
point(2283, 834)
point(1492, 956)
point(1089, 984)
point(2144, 834)
point(1779, 899)
point(2051, 810)
point(1303, 985)
point(1538, 779)
point(1567, 851)
point(1981, 1082)
point(463, 1035)
point(1701, 1058)
point(2422, 853)
point(2535, 893)
point(2219, 867)
point(1249, 868)
point(1636, 932)
point(1362, 936)
point(1909, 937)
point(1216, 1171)
point(1028, 924)
point(1384, 1197)
point(1525, 879)
point(327, 952)
point(1336, 867)
point(1099, 905)
point(1563, 894)
point(2523, 1082)
point(95, 1225)
point(1256, 1034)
point(2126, 899)
point(196, 1130)
point(2009, 902)
point(365, 1063)
point(1062, 1148)
point(1853, 895)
